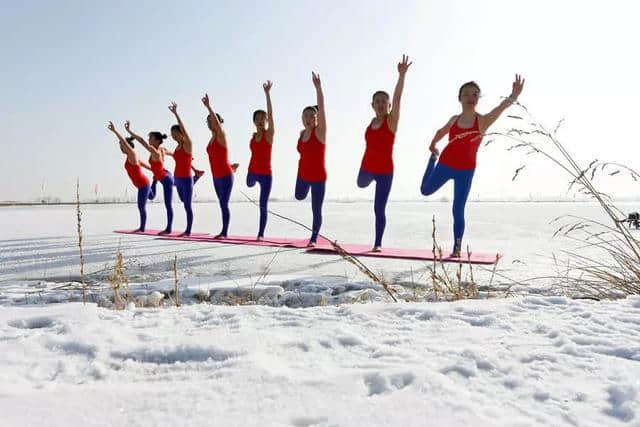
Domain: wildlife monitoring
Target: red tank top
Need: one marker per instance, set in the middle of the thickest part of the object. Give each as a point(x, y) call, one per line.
point(378, 156)
point(311, 165)
point(135, 173)
point(218, 159)
point(260, 156)
point(158, 169)
point(183, 163)
point(460, 152)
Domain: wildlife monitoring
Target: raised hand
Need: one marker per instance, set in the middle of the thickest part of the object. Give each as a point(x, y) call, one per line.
point(404, 65)
point(316, 80)
point(517, 87)
point(205, 100)
point(267, 86)
point(127, 126)
point(173, 107)
point(111, 127)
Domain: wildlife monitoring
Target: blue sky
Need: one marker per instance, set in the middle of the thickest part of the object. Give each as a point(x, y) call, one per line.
point(68, 67)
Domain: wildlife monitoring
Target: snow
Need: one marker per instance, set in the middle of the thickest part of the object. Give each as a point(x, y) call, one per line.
point(350, 357)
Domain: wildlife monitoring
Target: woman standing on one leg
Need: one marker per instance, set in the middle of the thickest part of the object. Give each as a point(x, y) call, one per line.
point(182, 173)
point(377, 163)
point(134, 167)
point(260, 164)
point(221, 169)
point(458, 159)
point(312, 174)
point(156, 161)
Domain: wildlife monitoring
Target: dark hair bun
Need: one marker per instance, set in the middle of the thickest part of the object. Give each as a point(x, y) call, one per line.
point(164, 136)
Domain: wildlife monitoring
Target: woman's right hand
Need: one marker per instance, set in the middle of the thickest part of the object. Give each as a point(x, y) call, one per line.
point(267, 86)
point(434, 150)
point(173, 107)
point(111, 127)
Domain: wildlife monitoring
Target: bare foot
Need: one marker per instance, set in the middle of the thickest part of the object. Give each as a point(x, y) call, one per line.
point(234, 166)
point(220, 236)
point(164, 232)
point(259, 239)
point(376, 249)
point(454, 254)
point(311, 244)
point(139, 230)
point(185, 234)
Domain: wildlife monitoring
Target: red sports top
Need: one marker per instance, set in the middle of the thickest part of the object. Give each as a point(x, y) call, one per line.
point(260, 162)
point(183, 163)
point(135, 173)
point(378, 156)
point(218, 159)
point(311, 165)
point(460, 152)
point(158, 169)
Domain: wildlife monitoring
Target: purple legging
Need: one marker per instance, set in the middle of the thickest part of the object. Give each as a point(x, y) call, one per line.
point(167, 187)
point(317, 197)
point(383, 188)
point(143, 196)
point(223, 187)
point(265, 190)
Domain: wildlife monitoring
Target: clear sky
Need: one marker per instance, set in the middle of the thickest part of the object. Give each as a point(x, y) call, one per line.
point(69, 66)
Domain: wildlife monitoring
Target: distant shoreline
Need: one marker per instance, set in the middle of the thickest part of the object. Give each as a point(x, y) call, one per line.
point(18, 204)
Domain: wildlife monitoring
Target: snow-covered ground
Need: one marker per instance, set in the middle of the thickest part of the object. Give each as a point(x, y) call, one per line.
point(351, 358)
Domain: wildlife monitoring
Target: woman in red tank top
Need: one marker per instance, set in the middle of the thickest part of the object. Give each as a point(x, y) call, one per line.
point(377, 162)
point(458, 159)
point(221, 169)
point(156, 161)
point(260, 163)
point(134, 166)
point(182, 177)
point(312, 174)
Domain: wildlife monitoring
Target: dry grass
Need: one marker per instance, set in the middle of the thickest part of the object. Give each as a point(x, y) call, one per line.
point(176, 289)
point(606, 262)
point(79, 228)
point(119, 282)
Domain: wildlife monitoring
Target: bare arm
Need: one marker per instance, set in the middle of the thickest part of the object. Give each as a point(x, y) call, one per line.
point(215, 123)
point(321, 130)
point(144, 165)
point(440, 134)
point(488, 119)
point(188, 146)
point(394, 117)
point(151, 149)
point(267, 92)
point(131, 155)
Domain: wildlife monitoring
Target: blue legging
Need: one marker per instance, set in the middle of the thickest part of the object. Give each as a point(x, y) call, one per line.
point(184, 186)
point(383, 188)
point(317, 197)
point(185, 192)
point(435, 177)
point(167, 187)
point(265, 190)
point(223, 187)
point(143, 196)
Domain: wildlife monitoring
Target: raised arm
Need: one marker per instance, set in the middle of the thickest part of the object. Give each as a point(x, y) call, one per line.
point(173, 107)
point(267, 93)
point(440, 134)
point(215, 123)
point(488, 119)
point(321, 131)
point(154, 152)
point(394, 117)
point(131, 155)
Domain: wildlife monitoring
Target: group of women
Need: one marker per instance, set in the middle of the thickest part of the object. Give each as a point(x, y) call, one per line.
point(457, 161)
